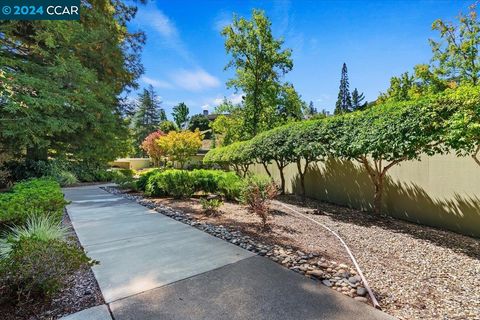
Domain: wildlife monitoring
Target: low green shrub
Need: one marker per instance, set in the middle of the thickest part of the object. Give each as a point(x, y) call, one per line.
point(124, 178)
point(172, 182)
point(231, 186)
point(183, 183)
point(38, 197)
point(144, 176)
point(211, 206)
point(37, 268)
point(64, 178)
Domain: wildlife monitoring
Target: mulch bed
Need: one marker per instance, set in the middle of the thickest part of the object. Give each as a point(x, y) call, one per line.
point(416, 272)
point(82, 292)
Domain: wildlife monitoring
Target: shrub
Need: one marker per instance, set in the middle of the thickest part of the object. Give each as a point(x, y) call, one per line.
point(258, 192)
point(210, 206)
point(176, 183)
point(39, 197)
point(35, 260)
point(37, 267)
point(231, 186)
point(65, 178)
point(142, 180)
point(124, 178)
point(206, 180)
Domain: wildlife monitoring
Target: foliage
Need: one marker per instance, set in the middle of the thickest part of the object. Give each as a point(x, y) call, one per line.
point(358, 100)
point(344, 100)
point(64, 178)
point(43, 228)
point(200, 122)
point(152, 148)
point(238, 154)
point(175, 183)
point(38, 267)
point(180, 115)
point(59, 92)
point(211, 206)
point(38, 197)
point(231, 186)
point(456, 57)
point(124, 178)
point(147, 117)
point(167, 126)
point(290, 105)
point(91, 172)
point(228, 128)
point(257, 193)
point(463, 127)
point(143, 177)
point(179, 146)
point(259, 62)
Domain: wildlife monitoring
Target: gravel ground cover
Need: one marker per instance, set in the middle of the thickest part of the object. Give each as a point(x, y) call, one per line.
point(416, 272)
point(82, 292)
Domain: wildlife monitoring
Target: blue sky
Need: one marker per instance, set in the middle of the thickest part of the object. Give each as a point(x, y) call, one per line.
point(184, 57)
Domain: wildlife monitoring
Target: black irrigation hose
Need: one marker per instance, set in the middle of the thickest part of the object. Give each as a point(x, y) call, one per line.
point(359, 271)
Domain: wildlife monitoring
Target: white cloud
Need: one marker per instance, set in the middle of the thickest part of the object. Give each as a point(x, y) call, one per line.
point(156, 83)
point(195, 80)
point(149, 16)
point(222, 20)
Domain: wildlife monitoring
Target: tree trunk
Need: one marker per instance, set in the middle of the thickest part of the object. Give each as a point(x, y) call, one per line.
point(265, 166)
point(378, 196)
point(245, 170)
point(302, 178)
point(282, 177)
point(475, 155)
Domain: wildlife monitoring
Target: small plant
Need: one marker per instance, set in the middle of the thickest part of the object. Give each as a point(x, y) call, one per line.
point(35, 260)
point(65, 178)
point(257, 193)
point(125, 179)
point(210, 206)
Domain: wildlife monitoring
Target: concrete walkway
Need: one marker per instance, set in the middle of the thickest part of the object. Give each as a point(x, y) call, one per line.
point(153, 267)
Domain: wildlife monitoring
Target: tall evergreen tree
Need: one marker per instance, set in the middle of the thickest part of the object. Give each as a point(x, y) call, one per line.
point(357, 100)
point(180, 115)
point(310, 110)
point(344, 101)
point(147, 117)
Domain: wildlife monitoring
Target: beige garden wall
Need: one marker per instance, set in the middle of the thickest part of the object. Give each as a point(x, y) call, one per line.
point(441, 191)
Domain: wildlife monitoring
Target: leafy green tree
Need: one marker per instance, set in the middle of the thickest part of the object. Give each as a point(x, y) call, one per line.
point(61, 80)
point(259, 62)
point(167, 126)
point(146, 118)
point(344, 100)
point(200, 122)
point(180, 114)
point(290, 104)
point(456, 57)
point(384, 136)
point(463, 127)
point(228, 126)
point(358, 100)
point(180, 146)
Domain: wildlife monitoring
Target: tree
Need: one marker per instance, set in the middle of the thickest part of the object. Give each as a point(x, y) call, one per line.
point(152, 148)
point(228, 126)
point(344, 101)
point(180, 146)
point(167, 126)
point(180, 114)
point(290, 104)
point(463, 127)
point(200, 122)
point(310, 110)
point(238, 154)
point(63, 80)
point(456, 57)
point(357, 100)
point(147, 117)
point(384, 136)
point(259, 62)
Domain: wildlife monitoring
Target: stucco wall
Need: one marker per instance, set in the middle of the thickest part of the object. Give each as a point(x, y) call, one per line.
point(441, 191)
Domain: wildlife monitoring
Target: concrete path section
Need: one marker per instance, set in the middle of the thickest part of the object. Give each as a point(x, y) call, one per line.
point(94, 313)
point(252, 289)
point(139, 249)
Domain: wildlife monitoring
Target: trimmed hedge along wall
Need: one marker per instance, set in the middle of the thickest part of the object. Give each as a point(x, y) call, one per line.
point(378, 138)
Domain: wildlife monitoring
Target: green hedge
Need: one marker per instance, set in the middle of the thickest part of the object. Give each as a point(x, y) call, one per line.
point(183, 183)
point(35, 197)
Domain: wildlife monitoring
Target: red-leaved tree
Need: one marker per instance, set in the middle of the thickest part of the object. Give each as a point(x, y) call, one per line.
point(152, 148)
